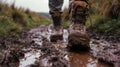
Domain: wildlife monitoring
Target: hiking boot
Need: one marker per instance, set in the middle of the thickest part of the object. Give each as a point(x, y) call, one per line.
point(57, 30)
point(78, 35)
point(56, 34)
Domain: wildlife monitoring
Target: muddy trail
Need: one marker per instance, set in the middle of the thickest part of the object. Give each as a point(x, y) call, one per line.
point(38, 51)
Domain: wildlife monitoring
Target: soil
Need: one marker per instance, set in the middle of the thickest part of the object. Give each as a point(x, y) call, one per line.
point(34, 49)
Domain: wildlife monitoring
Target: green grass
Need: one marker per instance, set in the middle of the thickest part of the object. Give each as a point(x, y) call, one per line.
point(15, 20)
point(104, 25)
point(104, 19)
point(66, 24)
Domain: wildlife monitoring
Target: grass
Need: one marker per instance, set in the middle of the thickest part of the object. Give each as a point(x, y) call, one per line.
point(105, 17)
point(104, 20)
point(104, 26)
point(107, 26)
point(66, 24)
point(15, 20)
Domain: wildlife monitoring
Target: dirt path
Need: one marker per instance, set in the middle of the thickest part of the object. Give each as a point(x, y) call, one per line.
point(40, 52)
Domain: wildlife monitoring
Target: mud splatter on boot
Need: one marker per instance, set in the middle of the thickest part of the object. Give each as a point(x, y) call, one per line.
point(78, 35)
point(56, 28)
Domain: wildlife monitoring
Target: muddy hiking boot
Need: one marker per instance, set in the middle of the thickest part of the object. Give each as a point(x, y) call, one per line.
point(78, 37)
point(57, 29)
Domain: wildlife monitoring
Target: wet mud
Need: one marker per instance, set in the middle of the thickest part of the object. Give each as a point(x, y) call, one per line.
point(106, 52)
point(38, 51)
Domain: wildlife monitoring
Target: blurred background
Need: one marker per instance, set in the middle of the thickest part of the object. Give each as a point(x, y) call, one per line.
point(34, 5)
point(18, 15)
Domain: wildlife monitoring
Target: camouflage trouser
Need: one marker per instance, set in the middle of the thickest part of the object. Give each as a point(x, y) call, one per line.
point(56, 5)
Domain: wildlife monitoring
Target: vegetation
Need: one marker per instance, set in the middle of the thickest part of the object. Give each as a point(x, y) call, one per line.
point(105, 16)
point(65, 18)
point(15, 20)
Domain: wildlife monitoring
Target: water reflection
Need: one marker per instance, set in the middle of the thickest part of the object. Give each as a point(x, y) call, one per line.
point(29, 58)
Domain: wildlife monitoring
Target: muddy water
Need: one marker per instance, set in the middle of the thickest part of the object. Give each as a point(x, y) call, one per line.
point(84, 60)
point(29, 58)
point(76, 59)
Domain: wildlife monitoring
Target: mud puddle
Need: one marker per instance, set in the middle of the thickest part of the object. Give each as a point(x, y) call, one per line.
point(75, 60)
point(56, 52)
point(84, 60)
point(42, 53)
point(29, 58)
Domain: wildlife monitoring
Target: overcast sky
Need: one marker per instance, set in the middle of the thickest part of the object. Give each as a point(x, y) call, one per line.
point(35, 5)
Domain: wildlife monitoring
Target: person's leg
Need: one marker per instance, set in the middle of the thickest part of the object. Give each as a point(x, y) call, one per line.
point(55, 7)
point(56, 15)
point(78, 13)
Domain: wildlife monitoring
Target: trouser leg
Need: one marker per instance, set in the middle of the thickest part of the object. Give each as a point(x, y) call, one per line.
point(55, 7)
